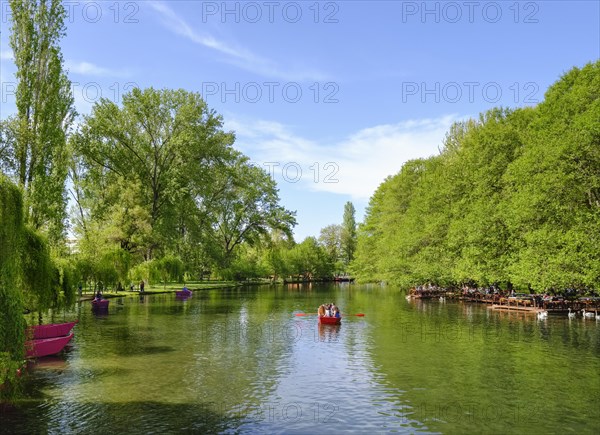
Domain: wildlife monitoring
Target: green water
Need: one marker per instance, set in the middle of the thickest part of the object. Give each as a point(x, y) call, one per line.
point(240, 361)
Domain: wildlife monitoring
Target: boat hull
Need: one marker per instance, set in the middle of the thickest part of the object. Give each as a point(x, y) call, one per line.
point(330, 320)
point(100, 304)
point(183, 294)
point(38, 332)
point(46, 346)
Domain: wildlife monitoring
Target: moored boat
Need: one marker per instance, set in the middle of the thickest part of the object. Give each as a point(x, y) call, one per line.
point(46, 346)
point(100, 303)
point(37, 332)
point(343, 279)
point(326, 320)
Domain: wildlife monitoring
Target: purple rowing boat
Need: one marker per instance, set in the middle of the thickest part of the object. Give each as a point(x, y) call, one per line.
point(100, 303)
point(46, 346)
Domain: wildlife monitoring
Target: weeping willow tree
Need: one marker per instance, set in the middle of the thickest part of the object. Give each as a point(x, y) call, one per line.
point(29, 279)
point(12, 324)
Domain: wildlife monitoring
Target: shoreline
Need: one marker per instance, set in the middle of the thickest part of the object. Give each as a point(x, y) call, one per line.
point(170, 288)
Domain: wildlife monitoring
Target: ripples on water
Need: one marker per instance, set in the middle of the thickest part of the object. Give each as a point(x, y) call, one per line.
point(239, 361)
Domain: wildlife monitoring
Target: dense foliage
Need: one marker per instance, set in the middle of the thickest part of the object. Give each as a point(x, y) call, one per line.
point(158, 179)
point(28, 277)
point(12, 324)
point(512, 198)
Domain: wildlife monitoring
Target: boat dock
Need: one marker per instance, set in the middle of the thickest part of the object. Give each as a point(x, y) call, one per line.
point(511, 302)
point(529, 310)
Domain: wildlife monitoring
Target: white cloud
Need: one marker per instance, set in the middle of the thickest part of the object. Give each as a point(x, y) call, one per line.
point(89, 69)
point(6, 55)
point(359, 162)
point(235, 55)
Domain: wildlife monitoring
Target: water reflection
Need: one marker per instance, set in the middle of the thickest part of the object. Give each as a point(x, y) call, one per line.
point(328, 332)
point(238, 360)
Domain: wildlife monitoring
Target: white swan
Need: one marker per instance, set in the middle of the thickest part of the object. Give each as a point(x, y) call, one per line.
point(571, 315)
point(542, 314)
point(442, 299)
point(588, 314)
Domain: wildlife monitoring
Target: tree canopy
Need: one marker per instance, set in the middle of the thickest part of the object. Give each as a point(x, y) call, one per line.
point(513, 197)
point(159, 177)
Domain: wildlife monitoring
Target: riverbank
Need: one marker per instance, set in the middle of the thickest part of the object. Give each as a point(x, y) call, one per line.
point(511, 301)
point(172, 288)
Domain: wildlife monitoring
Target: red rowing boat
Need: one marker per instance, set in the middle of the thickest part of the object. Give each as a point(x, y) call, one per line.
point(46, 346)
point(52, 330)
point(325, 320)
point(100, 303)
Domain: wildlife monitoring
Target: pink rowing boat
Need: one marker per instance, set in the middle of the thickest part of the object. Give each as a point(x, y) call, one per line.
point(183, 293)
point(325, 320)
point(37, 332)
point(46, 346)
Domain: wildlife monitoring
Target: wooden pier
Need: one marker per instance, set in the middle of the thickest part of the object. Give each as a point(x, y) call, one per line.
point(522, 309)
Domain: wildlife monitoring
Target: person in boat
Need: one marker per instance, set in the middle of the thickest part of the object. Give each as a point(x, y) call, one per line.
point(321, 310)
point(335, 312)
point(328, 310)
point(99, 295)
point(185, 289)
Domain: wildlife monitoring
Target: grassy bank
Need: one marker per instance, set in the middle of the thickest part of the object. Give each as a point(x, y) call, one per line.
point(172, 287)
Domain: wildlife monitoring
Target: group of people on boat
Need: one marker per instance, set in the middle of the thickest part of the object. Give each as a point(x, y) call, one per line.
point(329, 310)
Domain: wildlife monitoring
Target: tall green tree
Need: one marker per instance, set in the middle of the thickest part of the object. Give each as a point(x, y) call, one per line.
point(244, 208)
point(330, 238)
point(143, 160)
point(36, 136)
point(348, 233)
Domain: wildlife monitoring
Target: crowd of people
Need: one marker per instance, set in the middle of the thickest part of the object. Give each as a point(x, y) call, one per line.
point(328, 310)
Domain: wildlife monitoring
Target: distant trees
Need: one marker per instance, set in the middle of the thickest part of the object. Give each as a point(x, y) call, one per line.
point(330, 239)
point(348, 234)
point(513, 198)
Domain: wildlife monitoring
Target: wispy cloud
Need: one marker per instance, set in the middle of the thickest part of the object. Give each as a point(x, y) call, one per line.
point(6, 55)
point(90, 69)
point(361, 161)
point(235, 55)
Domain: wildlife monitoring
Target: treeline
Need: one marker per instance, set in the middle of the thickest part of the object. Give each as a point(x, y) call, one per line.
point(513, 198)
point(160, 190)
point(157, 190)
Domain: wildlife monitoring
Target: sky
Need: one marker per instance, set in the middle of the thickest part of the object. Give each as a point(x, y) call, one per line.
point(329, 97)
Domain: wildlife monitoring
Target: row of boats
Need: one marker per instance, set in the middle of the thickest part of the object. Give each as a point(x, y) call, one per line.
point(47, 340)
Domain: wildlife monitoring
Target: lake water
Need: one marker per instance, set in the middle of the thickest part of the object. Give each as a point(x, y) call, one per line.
point(241, 361)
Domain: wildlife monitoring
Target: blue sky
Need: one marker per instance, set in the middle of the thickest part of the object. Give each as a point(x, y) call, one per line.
point(330, 97)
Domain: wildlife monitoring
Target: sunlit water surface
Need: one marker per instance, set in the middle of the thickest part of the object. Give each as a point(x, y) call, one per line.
point(241, 361)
